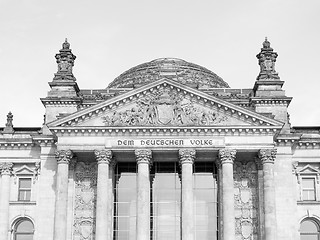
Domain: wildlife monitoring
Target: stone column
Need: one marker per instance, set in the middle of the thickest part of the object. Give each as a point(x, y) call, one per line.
point(187, 157)
point(267, 158)
point(6, 171)
point(111, 185)
point(144, 158)
point(104, 158)
point(61, 205)
point(226, 159)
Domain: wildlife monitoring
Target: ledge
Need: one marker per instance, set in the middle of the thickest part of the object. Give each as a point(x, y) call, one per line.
point(308, 202)
point(22, 203)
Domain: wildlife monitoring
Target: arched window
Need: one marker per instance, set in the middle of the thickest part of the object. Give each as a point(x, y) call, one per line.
point(309, 230)
point(23, 229)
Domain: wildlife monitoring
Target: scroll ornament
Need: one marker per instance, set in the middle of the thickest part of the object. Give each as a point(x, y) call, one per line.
point(227, 155)
point(64, 156)
point(103, 156)
point(143, 155)
point(6, 168)
point(267, 155)
point(187, 155)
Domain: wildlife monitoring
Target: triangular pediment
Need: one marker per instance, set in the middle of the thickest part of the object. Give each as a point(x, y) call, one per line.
point(308, 169)
point(165, 103)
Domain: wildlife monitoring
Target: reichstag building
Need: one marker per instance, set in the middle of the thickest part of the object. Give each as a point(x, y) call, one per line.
point(167, 151)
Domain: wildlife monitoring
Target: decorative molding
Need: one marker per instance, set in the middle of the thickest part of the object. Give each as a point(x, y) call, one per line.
point(16, 145)
point(165, 107)
point(246, 200)
point(227, 155)
point(64, 156)
point(267, 155)
point(27, 171)
point(143, 156)
point(187, 156)
point(306, 171)
point(9, 126)
point(103, 156)
point(6, 168)
point(85, 200)
point(216, 131)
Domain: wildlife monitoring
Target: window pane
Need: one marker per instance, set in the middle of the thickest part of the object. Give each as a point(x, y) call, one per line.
point(25, 183)
point(125, 202)
point(24, 227)
point(308, 227)
point(309, 237)
point(308, 183)
point(24, 237)
point(24, 195)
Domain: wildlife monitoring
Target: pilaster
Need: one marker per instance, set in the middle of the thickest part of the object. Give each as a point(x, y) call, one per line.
point(5, 171)
point(60, 222)
point(267, 158)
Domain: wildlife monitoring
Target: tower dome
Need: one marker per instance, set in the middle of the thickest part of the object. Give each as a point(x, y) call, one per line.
point(175, 69)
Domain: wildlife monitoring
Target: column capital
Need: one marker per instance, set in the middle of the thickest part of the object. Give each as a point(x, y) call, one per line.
point(6, 168)
point(143, 155)
point(227, 155)
point(187, 156)
point(64, 156)
point(267, 155)
point(103, 156)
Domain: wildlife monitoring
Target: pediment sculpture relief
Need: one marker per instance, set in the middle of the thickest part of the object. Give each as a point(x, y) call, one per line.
point(164, 107)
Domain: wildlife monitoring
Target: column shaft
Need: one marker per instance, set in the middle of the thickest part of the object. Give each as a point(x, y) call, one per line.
point(5, 169)
point(103, 157)
point(187, 157)
point(227, 157)
point(61, 205)
point(267, 157)
point(143, 196)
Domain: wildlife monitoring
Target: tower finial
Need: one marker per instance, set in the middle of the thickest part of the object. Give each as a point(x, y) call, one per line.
point(66, 45)
point(9, 125)
point(65, 61)
point(267, 58)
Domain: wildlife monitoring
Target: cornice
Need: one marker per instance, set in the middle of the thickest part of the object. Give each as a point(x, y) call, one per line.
point(60, 101)
point(271, 101)
point(202, 130)
point(19, 145)
point(45, 140)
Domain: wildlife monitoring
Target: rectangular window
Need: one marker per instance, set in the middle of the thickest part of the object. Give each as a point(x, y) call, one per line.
point(24, 189)
point(308, 189)
point(125, 203)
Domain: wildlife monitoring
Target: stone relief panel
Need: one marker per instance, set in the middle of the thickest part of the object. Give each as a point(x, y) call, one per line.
point(246, 200)
point(167, 107)
point(85, 201)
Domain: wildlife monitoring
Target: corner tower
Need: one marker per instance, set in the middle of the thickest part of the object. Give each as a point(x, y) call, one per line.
point(63, 97)
point(268, 95)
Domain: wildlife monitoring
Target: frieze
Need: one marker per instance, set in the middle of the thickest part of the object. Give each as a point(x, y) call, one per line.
point(164, 107)
point(246, 200)
point(85, 200)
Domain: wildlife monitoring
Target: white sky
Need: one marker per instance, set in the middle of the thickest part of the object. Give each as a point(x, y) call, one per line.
point(109, 37)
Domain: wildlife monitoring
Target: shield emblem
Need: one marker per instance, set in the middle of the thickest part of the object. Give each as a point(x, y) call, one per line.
point(246, 229)
point(165, 113)
point(86, 230)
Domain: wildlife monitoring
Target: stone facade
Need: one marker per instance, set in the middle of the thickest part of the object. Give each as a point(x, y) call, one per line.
point(64, 179)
